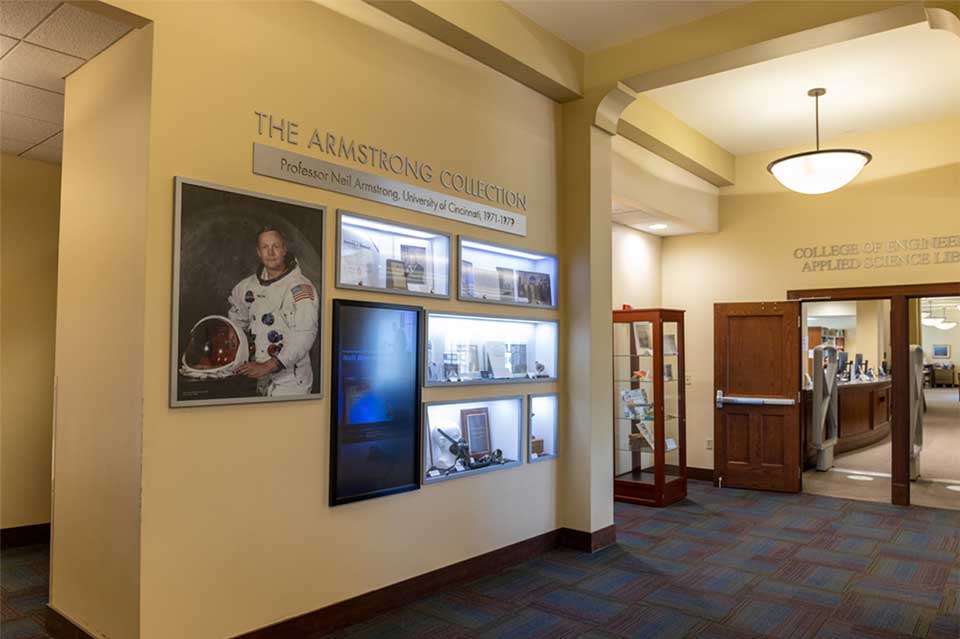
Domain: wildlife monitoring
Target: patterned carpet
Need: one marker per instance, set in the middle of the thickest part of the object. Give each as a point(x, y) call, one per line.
point(722, 564)
point(24, 577)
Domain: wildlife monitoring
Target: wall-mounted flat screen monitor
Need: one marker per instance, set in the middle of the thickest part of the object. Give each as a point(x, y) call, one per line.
point(375, 416)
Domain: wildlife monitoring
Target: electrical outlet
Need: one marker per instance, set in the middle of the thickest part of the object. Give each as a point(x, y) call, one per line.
point(688, 379)
point(709, 444)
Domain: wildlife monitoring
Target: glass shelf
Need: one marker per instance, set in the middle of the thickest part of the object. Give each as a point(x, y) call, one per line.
point(383, 256)
point(462, 438)
point(542, 439)
point(497, 274)
point(464, 350)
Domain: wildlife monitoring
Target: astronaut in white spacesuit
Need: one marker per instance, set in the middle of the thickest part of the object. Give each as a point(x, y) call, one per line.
point(279, 306)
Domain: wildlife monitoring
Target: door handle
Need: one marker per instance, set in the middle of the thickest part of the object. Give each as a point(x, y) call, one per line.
point(753, 401)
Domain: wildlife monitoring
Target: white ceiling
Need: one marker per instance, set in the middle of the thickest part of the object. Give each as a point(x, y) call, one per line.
point(40, 43)
point(592, 25)
point(886, 80)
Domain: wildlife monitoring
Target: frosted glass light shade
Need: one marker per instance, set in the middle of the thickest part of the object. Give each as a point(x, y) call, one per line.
point(816, 172)
point(946, 326)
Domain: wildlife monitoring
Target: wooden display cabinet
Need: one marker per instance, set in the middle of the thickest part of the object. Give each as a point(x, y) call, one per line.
point(649, 423)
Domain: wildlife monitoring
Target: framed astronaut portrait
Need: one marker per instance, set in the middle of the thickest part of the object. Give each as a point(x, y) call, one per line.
point(247, 286)
point(375, 400)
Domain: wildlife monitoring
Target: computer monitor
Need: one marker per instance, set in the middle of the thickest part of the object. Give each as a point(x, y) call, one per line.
point(857, 363)
point(842, 361)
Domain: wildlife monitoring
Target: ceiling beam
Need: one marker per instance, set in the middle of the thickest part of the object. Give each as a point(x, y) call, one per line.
point(499, 37)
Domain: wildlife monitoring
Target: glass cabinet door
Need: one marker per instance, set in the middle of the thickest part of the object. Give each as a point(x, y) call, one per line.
point(649, 414)
point(672, 379)
point(635, 416)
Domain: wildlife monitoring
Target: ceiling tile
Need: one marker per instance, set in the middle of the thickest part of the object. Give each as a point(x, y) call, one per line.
point(17, 18)
point(40, 67)
point(6, 44)
point(18, 127)
point(49, 151)
point(13, 147)
point(77, 32)
point(32, 102)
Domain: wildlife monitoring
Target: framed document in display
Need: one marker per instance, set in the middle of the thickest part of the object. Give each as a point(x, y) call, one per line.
point(481, 349)
point(498, 274)
point(374, 254)
point(465, 437)
point(375, 407)
point(475, 428)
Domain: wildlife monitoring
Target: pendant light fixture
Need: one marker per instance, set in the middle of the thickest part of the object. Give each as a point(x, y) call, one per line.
point(820, 171)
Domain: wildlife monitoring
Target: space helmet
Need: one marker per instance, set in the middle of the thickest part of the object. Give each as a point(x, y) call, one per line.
point(216, 347)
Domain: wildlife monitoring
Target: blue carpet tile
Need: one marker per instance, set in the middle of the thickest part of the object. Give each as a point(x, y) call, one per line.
point(723, 564)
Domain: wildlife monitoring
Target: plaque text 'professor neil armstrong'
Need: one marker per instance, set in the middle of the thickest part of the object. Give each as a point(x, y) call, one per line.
point(283, 130)
point(881, 254)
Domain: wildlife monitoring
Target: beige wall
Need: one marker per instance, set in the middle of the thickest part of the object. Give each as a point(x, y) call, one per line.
point(236, 530)
point(95, 555)
point(932, 335)
point(636, 268)
point(751, 258)
point(29, 220)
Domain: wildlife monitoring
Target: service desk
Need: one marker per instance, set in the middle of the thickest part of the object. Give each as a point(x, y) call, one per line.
point(864, 419)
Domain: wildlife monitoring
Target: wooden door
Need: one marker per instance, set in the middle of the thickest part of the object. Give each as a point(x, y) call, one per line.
point(757, 376)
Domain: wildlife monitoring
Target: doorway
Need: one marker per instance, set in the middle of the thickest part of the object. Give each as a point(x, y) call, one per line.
point(750, 440)
point(935, 327)
point(847, 443)
point(904, 313)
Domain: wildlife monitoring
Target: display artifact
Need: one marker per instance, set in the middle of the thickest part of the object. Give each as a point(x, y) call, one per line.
point(247, 283)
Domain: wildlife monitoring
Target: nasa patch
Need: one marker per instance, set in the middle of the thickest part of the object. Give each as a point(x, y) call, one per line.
point(267, 319)
point(248, 297)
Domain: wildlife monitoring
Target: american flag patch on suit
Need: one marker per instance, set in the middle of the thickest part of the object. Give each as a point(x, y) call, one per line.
point(302, 292)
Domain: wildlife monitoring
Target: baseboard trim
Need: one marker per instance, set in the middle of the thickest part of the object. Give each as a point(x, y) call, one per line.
point(60, 626)
point(24, 536)
point(371, 604)
point(700, 474)
point(587, 542)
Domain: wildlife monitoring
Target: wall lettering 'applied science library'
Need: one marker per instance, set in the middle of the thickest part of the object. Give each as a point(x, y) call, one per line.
point(311, 171)
point(880, 254)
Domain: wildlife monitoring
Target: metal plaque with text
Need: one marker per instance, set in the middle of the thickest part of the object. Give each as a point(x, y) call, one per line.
point(294, 167)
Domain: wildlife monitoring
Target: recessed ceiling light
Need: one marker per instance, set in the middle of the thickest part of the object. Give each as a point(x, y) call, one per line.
point(860, 477)
point(657, 227)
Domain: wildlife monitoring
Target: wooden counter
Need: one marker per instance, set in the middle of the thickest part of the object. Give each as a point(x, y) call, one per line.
point(865, 416)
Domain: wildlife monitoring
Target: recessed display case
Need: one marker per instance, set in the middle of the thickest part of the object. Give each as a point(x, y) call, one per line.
point(497, 274)
point(481, 349)
point(542, 435)
point(650, 466)
point(462, 438)
point(388, 257)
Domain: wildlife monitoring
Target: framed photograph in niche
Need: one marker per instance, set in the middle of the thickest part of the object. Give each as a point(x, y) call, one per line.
point(375, 400)
point(247, 286)
point(388, 257)
point(498, 274)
